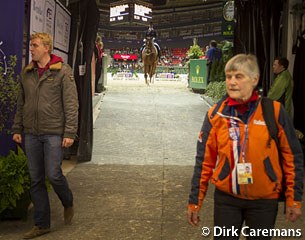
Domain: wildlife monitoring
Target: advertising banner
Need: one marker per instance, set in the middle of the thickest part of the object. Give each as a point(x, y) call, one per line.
point(227, 28)
point(11, 31)
point(126, 57)
point(11, 40)
point(198, 73)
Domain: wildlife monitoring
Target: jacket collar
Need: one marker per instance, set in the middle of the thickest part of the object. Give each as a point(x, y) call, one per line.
point(55, 64)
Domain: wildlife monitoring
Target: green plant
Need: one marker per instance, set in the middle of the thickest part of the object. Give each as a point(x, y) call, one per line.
point(9, 84)
point(15, 178)
point(227, 50)
point(217, 69)
point(216, 90)
point(15, 184)
point(113, 71)
point(195, 51)
point(135, 73)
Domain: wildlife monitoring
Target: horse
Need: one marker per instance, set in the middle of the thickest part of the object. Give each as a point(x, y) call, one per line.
point(150, 59)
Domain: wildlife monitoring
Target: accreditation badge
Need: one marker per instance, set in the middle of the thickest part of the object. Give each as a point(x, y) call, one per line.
point(234, 133)
point(244, 173)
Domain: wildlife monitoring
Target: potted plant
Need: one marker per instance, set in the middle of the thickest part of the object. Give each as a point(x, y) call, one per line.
point(195, 51)
point(15, 178)
point(14, 185)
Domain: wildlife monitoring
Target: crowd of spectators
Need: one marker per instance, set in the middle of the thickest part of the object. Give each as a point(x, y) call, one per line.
point(169, 57)
point(173, 56)
point(125, 50)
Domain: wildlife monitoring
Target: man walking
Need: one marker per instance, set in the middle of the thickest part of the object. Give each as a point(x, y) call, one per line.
point(213, 54)
point(282, 87)
point(47, 116)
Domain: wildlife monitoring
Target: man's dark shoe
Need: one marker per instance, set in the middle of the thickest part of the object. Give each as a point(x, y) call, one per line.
point(68, 215)
point(36, 232)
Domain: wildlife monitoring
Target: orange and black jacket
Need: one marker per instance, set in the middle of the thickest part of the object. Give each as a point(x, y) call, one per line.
point(219, 151)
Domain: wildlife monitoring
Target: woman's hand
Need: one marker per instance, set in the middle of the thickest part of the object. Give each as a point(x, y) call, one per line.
point(292, 213)
point(192, 217)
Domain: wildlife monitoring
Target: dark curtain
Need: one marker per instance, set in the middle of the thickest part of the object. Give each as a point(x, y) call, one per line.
point(85, 18)
point(299, 84)
point(258, 32)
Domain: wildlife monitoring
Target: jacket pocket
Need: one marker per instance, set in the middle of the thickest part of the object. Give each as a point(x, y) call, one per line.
point(225, 171)
point(269, 169)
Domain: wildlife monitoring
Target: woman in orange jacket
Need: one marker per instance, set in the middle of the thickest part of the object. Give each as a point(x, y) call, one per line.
point(235, 153)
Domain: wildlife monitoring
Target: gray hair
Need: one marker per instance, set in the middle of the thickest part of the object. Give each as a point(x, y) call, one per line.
point(246, 63)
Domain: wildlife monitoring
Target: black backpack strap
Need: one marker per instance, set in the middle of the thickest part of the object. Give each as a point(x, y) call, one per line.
point(269, 117)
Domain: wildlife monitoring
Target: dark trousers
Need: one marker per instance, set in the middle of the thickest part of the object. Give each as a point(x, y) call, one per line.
point(230, 213)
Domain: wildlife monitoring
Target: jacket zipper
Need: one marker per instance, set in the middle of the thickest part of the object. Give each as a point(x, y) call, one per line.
point(37, 100)
point(242, 186)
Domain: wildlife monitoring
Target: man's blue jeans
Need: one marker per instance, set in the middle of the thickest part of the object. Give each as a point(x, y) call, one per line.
point(45, 154)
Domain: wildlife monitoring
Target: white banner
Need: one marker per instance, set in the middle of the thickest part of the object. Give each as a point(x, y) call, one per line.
point(42, 16)
point(52, 17)
point(62, 28)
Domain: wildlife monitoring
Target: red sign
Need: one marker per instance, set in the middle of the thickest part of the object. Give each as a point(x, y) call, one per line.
point(125, 57)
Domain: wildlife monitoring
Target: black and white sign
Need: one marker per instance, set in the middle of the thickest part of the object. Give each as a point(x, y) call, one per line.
point(62, 29)
point(42, 16)
point(119, 12)
point(142, 12)
point(51, 17)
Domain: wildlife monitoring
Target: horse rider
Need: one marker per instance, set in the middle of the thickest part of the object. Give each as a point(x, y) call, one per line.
point(152, 34)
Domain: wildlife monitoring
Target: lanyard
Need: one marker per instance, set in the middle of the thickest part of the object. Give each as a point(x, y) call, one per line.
point(234, 131)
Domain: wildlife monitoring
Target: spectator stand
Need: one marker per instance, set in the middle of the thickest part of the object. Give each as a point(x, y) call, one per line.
point(125, 64)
